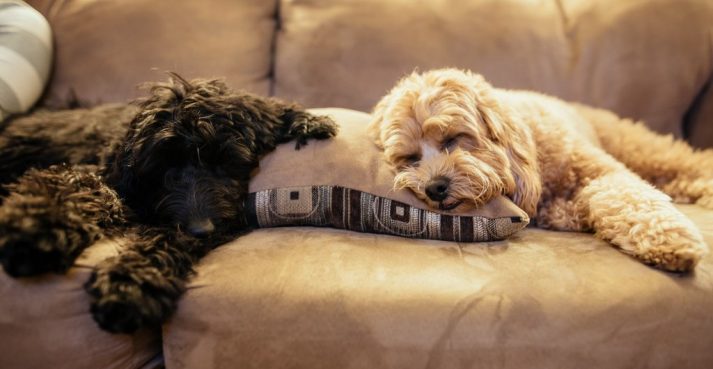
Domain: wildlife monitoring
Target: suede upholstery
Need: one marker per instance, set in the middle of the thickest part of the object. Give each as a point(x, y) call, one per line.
point(105, 49)
point(45, 323)
point(644, 59)
point(640, 58)
point(323, 298)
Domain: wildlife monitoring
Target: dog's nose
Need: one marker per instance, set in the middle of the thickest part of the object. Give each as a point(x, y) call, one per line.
point(437, 188)
point(200, 228)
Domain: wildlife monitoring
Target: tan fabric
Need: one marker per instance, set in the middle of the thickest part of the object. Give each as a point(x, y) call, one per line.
point(642, 59)
point(352, 160)
point(45, 323)
point(700, 122)
point(349, 53)
point(105, 48)
point(320, 298)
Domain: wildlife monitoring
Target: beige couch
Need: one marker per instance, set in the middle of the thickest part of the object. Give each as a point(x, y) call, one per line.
point(323, 298)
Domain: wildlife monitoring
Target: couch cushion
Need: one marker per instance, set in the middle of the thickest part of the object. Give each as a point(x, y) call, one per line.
point(324, 298)
point(642, 59)
point(345, 182)
point(105, 48)
point(45, 323)
point(700, 119)
point(349, 54)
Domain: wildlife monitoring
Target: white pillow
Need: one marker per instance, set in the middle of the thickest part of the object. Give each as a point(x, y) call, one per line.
point(25, 56)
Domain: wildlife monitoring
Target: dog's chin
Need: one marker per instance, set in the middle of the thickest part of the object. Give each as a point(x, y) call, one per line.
point(449, 205)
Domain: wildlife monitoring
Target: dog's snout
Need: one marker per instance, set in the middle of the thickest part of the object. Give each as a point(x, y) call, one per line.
point(200, 228)
point(437, 188)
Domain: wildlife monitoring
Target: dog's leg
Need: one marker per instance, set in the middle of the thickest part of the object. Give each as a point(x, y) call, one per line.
point(641, 220)
point(624, 210)
point(301, 125)
point(51, 215)
point(671, 165)
point(141, 286)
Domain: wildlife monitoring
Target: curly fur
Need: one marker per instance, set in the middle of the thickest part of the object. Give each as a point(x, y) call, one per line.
point(170, 172)
point(457, 142)
point(44, 218)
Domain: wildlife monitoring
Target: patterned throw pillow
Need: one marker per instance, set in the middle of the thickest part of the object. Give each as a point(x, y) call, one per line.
point(345, 183)
point(25, 56)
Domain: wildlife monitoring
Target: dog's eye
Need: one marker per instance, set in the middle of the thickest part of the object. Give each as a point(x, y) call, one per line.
point(450, 143)
point(411, 160)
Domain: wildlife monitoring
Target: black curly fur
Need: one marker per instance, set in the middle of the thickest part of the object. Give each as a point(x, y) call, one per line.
point(45, 138)
point(185, 132)
point(51, 215)
point(170, 172)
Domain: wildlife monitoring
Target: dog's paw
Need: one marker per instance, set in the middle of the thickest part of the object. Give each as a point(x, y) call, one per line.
point(127, 295)
point(706, 201)
point(323, 127)
point(681, 260)
point(318, 127)
point(36, 244)
point(674, 247)
point(28, 257)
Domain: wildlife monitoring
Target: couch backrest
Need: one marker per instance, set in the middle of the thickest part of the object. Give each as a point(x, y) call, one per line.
point(645, 59)
point(105, 48)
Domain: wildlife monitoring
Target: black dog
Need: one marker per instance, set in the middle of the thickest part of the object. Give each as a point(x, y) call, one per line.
point(170, 172)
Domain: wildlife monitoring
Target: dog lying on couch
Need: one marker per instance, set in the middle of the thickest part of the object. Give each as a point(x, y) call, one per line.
point(457, 142)
point(170, 171)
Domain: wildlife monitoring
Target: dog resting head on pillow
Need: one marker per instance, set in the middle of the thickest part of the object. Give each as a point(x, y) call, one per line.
point(346, 183)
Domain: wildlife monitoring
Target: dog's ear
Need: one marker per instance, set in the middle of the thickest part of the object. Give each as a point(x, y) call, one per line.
point(508, 131)
point(398, 102)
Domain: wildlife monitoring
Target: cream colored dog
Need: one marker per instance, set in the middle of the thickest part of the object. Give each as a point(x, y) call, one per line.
point(456, 142)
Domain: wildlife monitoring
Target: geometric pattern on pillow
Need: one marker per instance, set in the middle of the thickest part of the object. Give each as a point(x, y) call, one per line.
point(345, 208)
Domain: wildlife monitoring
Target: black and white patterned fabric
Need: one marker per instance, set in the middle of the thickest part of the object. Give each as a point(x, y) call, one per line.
point(25, 56)
point(344, 208)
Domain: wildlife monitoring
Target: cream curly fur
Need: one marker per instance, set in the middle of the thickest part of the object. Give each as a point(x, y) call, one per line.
point(569, 166)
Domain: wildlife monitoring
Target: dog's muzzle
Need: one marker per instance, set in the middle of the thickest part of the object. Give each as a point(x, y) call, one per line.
point(200, 228)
